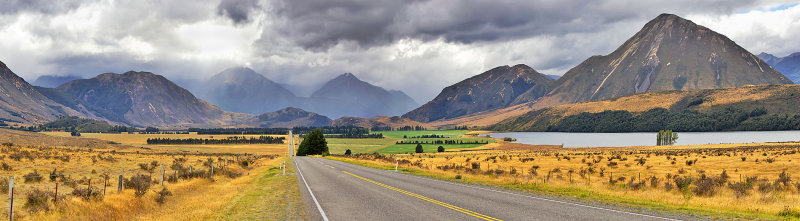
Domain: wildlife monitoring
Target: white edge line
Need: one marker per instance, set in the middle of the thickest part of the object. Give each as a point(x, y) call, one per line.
point(322, 213)
point(533, 197)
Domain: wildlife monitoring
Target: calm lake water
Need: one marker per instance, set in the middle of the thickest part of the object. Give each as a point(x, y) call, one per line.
point(646, 139)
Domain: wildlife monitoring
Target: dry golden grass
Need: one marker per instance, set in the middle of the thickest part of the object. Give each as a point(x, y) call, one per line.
point(595, 173)
point(191, 199)
point(140, 140)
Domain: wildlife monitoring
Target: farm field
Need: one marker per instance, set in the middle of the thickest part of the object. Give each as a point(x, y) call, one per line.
point(387, 145)
point(84, 176)
point(729, 181)
point(140, 140)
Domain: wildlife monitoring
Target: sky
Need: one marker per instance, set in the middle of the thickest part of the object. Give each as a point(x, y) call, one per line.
point(417, 46)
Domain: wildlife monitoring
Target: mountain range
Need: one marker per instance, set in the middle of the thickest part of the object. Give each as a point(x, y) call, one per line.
point(789, 65)
point(497, 88)
point(668, 54)
point(245, 91)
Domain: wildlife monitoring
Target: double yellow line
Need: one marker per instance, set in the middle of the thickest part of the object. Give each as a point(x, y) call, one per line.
point(459, 209)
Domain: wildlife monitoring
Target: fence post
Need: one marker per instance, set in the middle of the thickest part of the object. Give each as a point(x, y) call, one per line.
point(284, 167)
point(119, 184)
point(89, 189)
point(11, 198)
point(212, 169)
point(162, 174)
point(105, 183)
point(55, 195)
point(122, 175)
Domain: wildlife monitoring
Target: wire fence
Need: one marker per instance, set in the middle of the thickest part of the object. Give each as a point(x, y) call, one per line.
point(56, 186)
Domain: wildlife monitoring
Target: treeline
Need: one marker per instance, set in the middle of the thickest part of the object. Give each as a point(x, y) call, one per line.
point(229, 140)
point(332, 130)
point(248, 131)
point(403, 128)
point(726, 119)
point(441, 142)
point(353, 136)
point(281, 131)
point(426, 136)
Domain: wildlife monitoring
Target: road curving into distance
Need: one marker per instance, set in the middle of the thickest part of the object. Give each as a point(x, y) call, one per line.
point(334, 190)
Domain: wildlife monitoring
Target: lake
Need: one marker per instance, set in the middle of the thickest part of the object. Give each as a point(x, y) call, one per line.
point(647, 138)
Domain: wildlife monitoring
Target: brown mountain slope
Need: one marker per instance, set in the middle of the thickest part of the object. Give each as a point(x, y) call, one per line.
point(494, 89)
point(668, 53)
point(775, 99)
point(290, 117)
point(145, 99)
point(22, 103)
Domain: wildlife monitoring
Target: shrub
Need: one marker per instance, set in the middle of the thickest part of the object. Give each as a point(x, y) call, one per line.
point(140, 183)
point(440, 149)
point(654, 181)
point(6, 167)
point(37, 200)
point(458, 177)
point(348, 152)
point(162, 195)
point(419, 149)
point(705, 187)
point(682, 182)
point(741, 189)
point(784, 178)
point(88, 193)
point(34, 177)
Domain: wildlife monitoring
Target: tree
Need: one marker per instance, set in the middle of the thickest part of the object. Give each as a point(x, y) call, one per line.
point(313, 144)
point(440, 149)
point(348, 152)
point(419, 148)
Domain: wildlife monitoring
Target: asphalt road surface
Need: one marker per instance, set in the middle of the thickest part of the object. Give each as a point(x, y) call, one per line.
point(334, 190)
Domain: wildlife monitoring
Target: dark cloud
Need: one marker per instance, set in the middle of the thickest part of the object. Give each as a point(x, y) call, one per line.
point(39, 6)
point(314, 24)
point(237, 10)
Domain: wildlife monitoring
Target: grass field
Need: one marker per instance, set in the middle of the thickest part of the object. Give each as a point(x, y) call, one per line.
point(140, 140)
point(244, 186)
point(743, 181)
point(388, 144)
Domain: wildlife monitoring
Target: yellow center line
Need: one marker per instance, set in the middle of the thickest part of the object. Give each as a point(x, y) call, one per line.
point(459, 209)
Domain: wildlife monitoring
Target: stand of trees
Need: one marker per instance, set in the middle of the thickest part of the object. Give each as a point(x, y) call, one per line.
point(410, 128)
point(332, 130)
point(248, 131)
point(352, 136)
point(426, 136)
point(229, 140)
point(666, 137)
point(656, 119)
point(441, 142)
point(313, 144)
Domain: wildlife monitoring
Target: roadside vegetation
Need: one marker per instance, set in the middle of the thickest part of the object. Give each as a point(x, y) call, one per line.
point(53, 181)
point(744, 181)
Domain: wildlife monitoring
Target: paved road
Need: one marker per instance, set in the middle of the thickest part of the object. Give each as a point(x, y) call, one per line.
point(343, 191)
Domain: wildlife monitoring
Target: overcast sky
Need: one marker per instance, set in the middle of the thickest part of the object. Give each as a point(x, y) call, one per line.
point(415, 46)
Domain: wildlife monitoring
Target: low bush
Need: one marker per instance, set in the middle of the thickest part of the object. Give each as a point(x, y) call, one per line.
point(37, 200)
point(140, 183)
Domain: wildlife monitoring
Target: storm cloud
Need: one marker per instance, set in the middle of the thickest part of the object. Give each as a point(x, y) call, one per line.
point(418, 46)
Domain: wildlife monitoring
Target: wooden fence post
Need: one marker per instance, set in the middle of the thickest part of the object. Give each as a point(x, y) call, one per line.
point(11, 198)
point(55, 195)
point(212, 169)
point(119, 184)
point(89, 189)
point(105, 183)
point(162, 174)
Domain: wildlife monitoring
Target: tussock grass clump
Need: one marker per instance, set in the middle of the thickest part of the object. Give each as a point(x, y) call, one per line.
point(38, 200)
